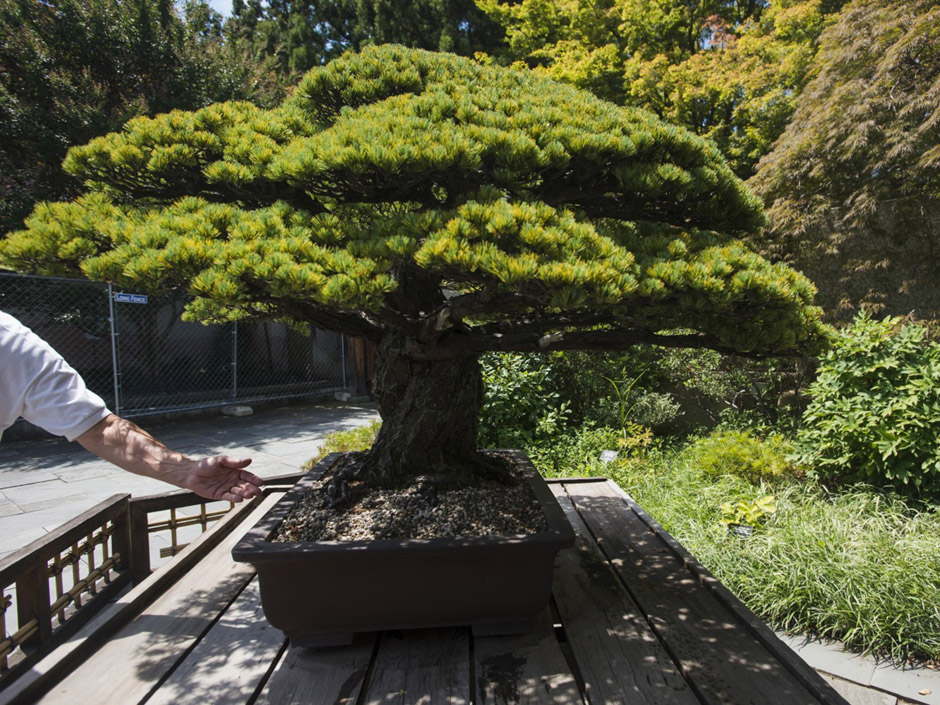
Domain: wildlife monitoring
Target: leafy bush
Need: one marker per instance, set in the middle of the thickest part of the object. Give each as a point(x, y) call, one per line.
point(576, 453)
point(522, 403)
point(750, 513)
point(743, 455)
point(875, 410)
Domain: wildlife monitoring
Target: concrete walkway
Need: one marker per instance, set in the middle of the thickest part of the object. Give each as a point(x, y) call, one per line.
point(44, 483)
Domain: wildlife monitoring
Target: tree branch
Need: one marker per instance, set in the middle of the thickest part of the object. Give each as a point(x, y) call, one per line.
point(473, 343)
point(355, 323)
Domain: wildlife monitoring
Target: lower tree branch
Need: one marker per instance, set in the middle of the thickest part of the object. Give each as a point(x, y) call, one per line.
point(607, 340)
point(355, 323)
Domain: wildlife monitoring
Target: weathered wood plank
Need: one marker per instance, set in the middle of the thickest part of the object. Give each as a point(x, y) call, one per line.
point(524, 669)
point(620, 659)
point(422, 667)
point(135, 659)
point(809, 677)
point(722, 661)
point(101, 626)
point(228, 664)
point(327, 676)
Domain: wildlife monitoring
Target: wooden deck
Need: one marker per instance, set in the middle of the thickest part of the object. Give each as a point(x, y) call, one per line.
point(633, 619)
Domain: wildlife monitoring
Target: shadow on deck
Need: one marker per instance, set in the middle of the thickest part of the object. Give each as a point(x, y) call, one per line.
point(633, 619)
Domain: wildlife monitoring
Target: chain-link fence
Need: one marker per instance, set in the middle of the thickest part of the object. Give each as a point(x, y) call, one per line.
point(136, 353)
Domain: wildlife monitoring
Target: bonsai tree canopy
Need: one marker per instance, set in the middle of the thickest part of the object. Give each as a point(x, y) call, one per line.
point(441, 209)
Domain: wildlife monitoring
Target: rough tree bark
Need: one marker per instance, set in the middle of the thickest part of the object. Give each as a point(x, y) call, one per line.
point(430, 416)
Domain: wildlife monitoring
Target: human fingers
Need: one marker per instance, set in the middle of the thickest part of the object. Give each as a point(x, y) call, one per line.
point(251, 477)
point(241, 491)
point(234, 463)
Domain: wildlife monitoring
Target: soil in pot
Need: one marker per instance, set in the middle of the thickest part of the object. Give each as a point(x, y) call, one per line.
point(344, 506)
point(492, 570)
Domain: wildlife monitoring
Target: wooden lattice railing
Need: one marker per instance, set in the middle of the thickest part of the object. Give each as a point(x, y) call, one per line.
point(51, 587)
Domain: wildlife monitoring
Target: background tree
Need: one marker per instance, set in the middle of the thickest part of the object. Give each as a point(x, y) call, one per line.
point(727, 70)
point(853, 184)
point(71, 70)
point(442, 209)
point(301, 35)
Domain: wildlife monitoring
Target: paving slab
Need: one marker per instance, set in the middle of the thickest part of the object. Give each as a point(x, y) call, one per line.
point(20, 476)
point(919, 685)
point(859, 695)
point(829, 657)
point(46, 482)
point(41, 492)
point(9, 509)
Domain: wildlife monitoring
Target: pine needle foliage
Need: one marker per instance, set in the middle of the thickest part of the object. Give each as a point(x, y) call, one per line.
point(469, 207)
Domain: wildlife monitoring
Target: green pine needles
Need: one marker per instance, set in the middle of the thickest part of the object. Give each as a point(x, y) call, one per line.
point(471, 207)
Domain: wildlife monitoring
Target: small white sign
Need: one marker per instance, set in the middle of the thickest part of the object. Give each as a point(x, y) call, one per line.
point(608, 455)
point(130, 298)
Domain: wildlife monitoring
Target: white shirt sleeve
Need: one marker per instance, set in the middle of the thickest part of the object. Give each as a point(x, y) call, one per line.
point(39, 385)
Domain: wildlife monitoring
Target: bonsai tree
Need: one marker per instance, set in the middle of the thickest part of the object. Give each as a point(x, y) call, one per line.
point(441, 209)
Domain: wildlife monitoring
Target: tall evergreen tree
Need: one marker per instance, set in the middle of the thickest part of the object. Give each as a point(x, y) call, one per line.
point(302, 34)
point(74, 69)
point(441, 209)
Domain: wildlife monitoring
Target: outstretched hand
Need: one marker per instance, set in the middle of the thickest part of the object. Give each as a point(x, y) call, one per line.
point(222, 477)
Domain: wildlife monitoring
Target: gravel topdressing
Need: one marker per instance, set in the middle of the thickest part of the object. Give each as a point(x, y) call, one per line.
point(418, 511)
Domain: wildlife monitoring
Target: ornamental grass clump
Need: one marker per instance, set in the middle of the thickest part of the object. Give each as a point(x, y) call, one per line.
point(441, 209)
point(743, 454)
point(859, 565)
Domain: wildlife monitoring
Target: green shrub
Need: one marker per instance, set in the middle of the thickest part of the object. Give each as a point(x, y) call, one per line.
point(522, 403)
point(575, 453)
point(874, 415)
point(750, 513)
point(742, 454)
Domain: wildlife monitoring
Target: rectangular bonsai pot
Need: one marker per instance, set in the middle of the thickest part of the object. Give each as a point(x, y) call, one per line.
point(322, 593)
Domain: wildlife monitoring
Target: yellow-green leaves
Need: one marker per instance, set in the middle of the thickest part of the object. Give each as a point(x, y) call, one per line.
point(564, 262)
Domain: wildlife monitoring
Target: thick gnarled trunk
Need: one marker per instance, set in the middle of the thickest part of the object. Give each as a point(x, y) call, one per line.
point(430, 415)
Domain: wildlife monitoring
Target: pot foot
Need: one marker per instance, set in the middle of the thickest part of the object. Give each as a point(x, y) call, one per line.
point(514, 626)
point(316, 641)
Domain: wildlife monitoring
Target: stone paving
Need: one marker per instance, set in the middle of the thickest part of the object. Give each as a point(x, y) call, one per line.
point(862, 680)
point(44, 483)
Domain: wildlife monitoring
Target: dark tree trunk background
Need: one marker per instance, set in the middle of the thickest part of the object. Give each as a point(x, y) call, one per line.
point(430, 416)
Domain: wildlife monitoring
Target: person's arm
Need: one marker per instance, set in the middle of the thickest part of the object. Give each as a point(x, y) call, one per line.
point(125, 444)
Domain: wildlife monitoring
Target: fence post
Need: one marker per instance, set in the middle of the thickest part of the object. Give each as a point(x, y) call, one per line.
point(114, 352)
point(139, 543)
point(342, 357)
point(235, 361)
point(32, 602)
point(122, 541)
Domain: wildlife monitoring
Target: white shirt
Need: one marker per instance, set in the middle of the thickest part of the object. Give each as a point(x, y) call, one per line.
point(37, 384)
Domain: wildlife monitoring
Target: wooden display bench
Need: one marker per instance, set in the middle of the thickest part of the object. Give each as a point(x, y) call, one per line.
point(633, 619)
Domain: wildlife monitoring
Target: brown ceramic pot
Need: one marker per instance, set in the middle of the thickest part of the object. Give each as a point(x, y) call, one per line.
point(322, 593)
